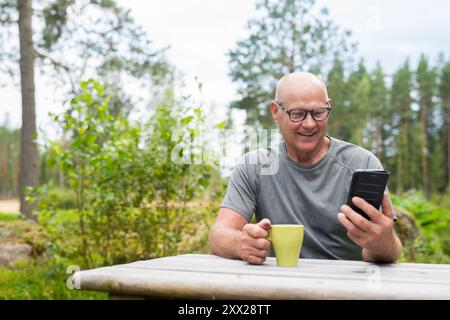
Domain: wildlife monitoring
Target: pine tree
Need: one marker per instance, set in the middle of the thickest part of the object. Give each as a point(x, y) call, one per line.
point(358, 106)
point(444, 95)
point(286, 36)
point(378, 109)
point(403, 117)
point(426, 79)
point(337, 91)
point(111, 46)
point(29, 153)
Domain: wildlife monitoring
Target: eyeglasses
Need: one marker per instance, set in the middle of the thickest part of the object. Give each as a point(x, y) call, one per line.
point(298, 115)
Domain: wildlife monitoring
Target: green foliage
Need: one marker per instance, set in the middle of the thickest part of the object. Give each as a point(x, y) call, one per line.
point(433, 218)
point(133, 182)
point(55, 17)
point(337, 89)
point(426, 85)
point(444, 84)
point(103, 37)
point(9, 160)
point(285, 36)
point(378, 110)
point(14, 229)
point(8, 216)
point(7, 8)
point(174, 230)
point(426, 81)
point(46, 277)
point(32, 280)
point(401, 101)
point(58, 198)
point(358, 103)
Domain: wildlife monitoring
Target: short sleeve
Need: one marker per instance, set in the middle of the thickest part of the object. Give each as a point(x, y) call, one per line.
point(374, 163)
point(241, 191)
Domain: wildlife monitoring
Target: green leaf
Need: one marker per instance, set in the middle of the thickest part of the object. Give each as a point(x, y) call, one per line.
point(186, 120)
point(221, 125)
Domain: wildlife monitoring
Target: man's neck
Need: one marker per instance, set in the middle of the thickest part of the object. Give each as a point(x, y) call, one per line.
point(310, 158)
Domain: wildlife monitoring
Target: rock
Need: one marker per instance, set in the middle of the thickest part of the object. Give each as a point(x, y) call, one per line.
point(10, 252)
point(407, 231)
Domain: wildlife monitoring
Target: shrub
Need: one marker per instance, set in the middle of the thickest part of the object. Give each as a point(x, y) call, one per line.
point(125, 177)
point(9, 216)
point(39, 280)
point(61, 198)
point(433, 245)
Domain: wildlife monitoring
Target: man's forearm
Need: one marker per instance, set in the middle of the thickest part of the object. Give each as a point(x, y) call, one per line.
point(225, 242)
point(389, 256)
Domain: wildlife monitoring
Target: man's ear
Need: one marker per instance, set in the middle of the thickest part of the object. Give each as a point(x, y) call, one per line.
point(274, 110)
point(330, 102)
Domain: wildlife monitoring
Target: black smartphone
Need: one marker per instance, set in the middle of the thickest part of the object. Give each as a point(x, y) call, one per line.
point(370, 185)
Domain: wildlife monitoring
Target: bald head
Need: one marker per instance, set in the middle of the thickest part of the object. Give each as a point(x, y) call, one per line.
point(300, 85)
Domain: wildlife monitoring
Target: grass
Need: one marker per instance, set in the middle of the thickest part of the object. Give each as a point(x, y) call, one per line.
point(433, 219)
point(9, 216)
point(58, 247)
point(45, 278)
point(33, 280)
point(22, 231)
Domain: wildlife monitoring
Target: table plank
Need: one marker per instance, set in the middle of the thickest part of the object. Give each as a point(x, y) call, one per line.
point(212, 277)
point(320, 266)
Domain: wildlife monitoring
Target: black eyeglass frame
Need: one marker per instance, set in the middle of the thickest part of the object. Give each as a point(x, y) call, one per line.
point(327, 109)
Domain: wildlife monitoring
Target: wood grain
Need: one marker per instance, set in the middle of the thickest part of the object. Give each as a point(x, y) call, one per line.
point(212, 277)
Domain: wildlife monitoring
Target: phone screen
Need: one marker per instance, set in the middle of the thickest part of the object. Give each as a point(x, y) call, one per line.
point(370, 185)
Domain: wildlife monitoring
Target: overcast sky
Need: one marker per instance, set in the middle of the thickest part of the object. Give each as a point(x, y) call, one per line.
point(200, 32)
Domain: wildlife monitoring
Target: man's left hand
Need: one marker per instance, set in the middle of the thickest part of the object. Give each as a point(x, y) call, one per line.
point(376, 236)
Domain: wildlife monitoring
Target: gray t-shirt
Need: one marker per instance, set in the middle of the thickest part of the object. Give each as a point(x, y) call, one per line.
point(267, 183)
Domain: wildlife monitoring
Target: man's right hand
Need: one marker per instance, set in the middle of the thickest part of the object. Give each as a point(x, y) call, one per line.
point(254, 244)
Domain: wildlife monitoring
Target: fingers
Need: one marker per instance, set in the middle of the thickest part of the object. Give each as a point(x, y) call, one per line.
point(262, 244)
point(352, 230)
point(376, 216)
point(265, 224)
point(355, 218)
point(260, 253)
point(386, 206)
point(254, 255)
point(356, 234)
point(255, 259)
point(257, 230)
point(254, 245)
point(370, 210)
point(356, 239)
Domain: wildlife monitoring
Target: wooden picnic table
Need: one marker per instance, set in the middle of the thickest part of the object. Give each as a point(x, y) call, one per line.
point(200, 276)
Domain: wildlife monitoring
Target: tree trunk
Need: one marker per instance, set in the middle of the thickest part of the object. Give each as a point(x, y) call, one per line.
point(448, 145)
point(60, 178)
point(400, 166)
point(378, 137)
point(15, 171)
point(28, 176)
point(4, 156)
point(424, 148)
point(59, 171)
point(404, 170)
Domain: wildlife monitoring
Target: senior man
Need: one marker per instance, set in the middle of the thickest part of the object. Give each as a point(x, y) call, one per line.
point(309, 187)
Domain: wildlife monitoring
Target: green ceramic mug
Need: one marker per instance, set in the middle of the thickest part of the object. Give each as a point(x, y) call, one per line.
point(287, 240)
